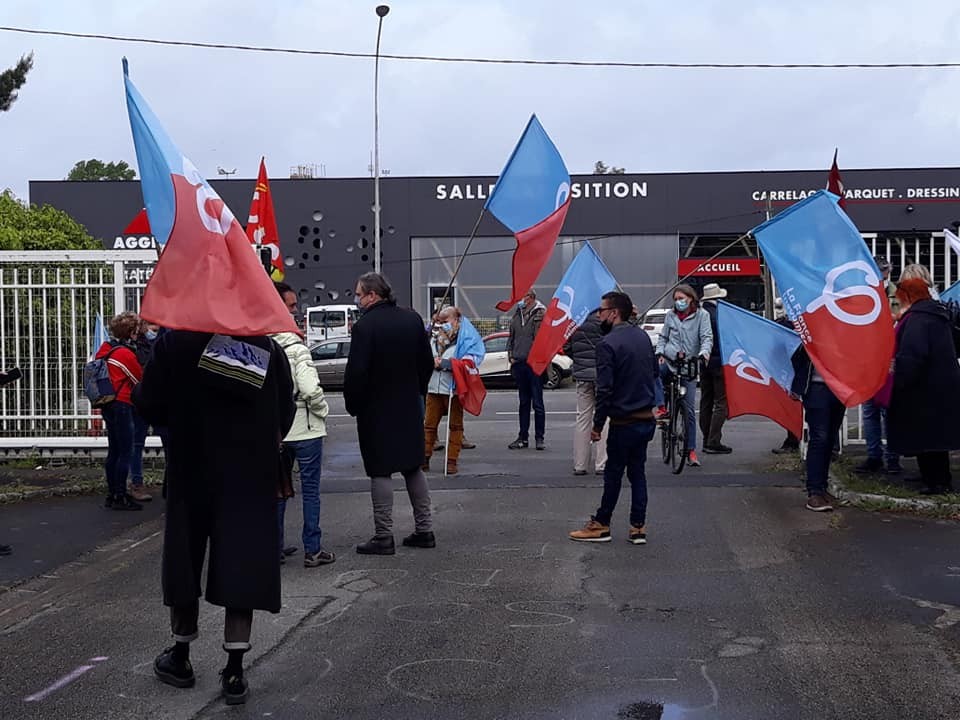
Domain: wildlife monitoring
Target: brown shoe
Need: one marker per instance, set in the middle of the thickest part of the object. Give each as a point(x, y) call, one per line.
point(139, 493)
point(819, 503)
point(452, 467)
point(467, 445)
point(638, 535)
point(593, 531)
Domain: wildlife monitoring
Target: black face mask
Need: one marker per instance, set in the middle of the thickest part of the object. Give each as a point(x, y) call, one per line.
point(605, 326)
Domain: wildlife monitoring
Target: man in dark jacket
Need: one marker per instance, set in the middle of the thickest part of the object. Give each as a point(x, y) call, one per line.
point(7, 378)
point(824, 415)
point(626, 368)
point(523, 329)
point(226, 403)
point(582, 349)
point(385, 383)
point(713, 390)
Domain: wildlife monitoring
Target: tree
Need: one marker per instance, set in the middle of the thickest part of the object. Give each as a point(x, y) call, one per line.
point(600, 168)
point(28, 227)
point(98, 170)
point(12, 80)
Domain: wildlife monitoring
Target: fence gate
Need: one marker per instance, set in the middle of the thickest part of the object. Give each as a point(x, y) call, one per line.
point(49, 302)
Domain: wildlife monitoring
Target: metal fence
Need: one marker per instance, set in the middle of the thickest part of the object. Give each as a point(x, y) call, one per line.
point(49, 302)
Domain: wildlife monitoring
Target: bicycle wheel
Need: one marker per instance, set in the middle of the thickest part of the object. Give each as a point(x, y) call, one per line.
point(678, 432)
point(666, 441)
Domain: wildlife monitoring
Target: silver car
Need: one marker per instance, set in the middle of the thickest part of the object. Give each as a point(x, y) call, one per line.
point(330, 360)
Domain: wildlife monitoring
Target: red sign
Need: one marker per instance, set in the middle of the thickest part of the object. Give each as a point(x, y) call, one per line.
point(719, 267)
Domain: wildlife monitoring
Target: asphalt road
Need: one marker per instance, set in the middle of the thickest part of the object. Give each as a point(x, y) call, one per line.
point(743, 604)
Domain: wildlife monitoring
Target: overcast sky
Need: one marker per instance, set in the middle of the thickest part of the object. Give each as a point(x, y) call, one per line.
point(226, 108)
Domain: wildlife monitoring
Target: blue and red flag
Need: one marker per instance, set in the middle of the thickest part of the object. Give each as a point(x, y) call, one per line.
point(206, 278)
point(531, 199)
point(833, 293)
point(757, 371)
point(579, 294)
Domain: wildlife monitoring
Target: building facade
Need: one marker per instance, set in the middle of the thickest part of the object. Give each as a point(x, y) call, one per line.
point(650, 229)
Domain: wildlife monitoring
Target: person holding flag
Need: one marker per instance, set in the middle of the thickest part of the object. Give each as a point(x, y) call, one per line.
point(524, 327)
point(223, 388)
point(262, 224)
point(454, 338)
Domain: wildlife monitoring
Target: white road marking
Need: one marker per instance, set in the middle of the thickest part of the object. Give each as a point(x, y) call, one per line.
point(64, 681)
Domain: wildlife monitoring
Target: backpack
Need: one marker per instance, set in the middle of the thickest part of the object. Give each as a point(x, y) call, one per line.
point(953, 311)
point(97, 385)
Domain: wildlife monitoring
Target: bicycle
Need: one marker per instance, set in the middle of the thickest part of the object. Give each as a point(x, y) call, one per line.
point(673, 430)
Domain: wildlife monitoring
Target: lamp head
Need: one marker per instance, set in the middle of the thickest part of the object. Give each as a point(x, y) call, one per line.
point(382, 10)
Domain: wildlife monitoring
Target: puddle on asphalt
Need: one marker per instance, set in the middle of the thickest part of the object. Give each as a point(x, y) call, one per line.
point(650, 711)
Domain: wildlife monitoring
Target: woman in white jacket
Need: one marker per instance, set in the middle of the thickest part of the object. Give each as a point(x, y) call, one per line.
point(304, 442)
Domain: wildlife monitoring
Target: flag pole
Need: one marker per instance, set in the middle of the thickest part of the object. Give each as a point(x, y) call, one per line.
point(446, 445)
point(456, 271)
point(693, 272)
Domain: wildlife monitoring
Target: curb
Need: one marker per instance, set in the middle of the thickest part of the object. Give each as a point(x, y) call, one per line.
point(87, 488)
point(870, 500)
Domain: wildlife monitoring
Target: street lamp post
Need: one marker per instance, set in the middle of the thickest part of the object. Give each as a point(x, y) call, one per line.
point(382, 10)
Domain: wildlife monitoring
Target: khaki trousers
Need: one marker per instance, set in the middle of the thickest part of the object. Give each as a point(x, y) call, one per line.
point(586, 401)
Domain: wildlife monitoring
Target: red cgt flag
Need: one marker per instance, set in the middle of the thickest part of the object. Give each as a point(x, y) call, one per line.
point(835, 183)
point(262, 223)
point(470, 389)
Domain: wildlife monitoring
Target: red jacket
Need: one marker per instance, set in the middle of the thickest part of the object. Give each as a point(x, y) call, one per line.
point(124, 368)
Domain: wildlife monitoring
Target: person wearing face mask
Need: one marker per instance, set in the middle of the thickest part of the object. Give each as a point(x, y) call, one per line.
point(523, 329)
point(625, 396)
point(455, 338)
point(686, 334)
point(385, 382)
point(144, 350)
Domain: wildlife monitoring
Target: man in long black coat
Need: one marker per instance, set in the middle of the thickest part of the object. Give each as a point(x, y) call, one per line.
point(227, 403)
point(385, 384)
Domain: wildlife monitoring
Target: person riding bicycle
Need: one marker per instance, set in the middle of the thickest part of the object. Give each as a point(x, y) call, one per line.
point(686, 334)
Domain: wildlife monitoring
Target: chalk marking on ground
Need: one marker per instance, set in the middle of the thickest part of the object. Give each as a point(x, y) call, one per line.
point(565, 619)
point(485, 583)
point(428, 698)
point(64, 681)
point(392, 613)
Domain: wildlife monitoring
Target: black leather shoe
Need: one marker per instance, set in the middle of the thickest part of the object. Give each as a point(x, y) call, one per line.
point(420, 540)
point(936, 490)
point(172, 671)
point(518, 444)
point(378, 545)
point(233, 687)
point(717, 449)
point(5, 549)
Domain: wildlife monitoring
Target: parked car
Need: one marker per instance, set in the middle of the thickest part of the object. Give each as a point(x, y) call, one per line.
point(496, 368)
point(653, 323)
point(325, 322)
point(330, 360)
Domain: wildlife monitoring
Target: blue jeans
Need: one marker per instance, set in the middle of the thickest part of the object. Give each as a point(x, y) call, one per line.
point(875, 430)
point(140, 428)
point(309, 456)
point(689, 402)
point(530, 388)
point(824, 415)
point(118, 417)
point(626, 450)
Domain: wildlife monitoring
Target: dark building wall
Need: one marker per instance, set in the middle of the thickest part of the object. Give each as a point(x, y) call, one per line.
point(326, 224)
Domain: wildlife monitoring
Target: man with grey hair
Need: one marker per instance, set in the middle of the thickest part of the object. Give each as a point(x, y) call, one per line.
point(385, 383)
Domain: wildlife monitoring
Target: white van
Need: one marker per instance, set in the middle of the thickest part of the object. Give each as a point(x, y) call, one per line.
point(330, 321)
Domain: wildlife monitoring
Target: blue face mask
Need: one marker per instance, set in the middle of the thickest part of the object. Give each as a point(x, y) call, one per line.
point(151, 334)
point(447, 328)
point(681, 305)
